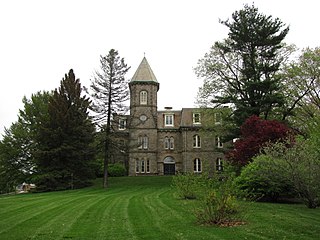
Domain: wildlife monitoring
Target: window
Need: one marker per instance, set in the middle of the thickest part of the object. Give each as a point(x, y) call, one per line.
point(142, 166)
point(219, 165)
point(143, 97)
point(137, 166)
point(197, 165)
point(171, 143)
point(143, 142)
point(196, 118)
point(168, 143)
point(196, 141)
point(122, 123)
point(148, 166)
point(218, 142)
point(217, 118)
point(168, 120)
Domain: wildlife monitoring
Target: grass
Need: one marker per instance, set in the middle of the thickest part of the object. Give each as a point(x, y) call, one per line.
point(141, 208)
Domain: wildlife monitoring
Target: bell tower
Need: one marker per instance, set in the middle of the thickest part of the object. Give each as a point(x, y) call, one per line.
point(143, 121)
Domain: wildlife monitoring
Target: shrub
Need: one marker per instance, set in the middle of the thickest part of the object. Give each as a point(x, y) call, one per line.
point(116, 170)
point(186, 185)
point(265, 177)
point(219, 205)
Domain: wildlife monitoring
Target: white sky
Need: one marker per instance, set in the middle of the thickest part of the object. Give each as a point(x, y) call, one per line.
point(41, 40)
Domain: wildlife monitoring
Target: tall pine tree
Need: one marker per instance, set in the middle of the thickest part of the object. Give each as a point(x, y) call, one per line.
point(66, 152)
point(110, 92)
point(242, 69)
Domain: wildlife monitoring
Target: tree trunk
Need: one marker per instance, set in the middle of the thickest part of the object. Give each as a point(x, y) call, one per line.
point(105, 163)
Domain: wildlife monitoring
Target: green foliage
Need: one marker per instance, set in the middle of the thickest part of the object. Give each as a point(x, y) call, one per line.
point(20, 141)
point(264, 177)
point(117, 170)
point(65, 150)
point(110, 91)
point(242, 69)
point(218, 204)
point(186, 185)
point(285, 166)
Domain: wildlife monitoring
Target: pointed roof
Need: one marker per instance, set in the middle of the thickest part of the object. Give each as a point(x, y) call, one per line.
point(144, 73)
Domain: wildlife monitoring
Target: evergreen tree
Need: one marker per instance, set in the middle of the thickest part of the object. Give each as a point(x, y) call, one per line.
point(109, 92)
point(242, 69)
point(65, 151)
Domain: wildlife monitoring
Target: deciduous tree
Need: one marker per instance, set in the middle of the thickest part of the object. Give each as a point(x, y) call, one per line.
point(256, 133)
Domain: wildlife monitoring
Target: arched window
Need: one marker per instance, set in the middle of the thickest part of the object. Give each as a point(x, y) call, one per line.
point(196, 141)
point(166, 143)
point(171, 143)
point(143, 142)
point(143, 97)
point(197, 165)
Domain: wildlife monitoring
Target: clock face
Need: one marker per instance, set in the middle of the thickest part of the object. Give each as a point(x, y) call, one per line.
point(143, 118)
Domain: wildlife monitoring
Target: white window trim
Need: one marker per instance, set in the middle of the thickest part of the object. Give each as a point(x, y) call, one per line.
point(194, 118)
point(143, 166)
point(172, 120)
point(219, 143)
point(148, 166)
point(143, 97)
point(219, 164)
point(196, 141)
point(198, 164)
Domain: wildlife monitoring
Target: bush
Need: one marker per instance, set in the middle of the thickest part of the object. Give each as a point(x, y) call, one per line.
point(116, 170)
point(219, 205)
point(186, 185)
point(265, 177)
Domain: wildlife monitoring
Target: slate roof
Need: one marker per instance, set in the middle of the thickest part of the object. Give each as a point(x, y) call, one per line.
point(144, 73)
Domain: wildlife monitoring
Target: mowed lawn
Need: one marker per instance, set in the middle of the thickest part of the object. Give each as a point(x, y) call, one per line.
point(141, 208)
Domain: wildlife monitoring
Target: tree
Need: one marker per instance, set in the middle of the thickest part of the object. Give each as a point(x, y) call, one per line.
point(109, 93)
point(65, 150)
point(242, 69)
point(255, 134)
point(302, 88)
point(19, 145)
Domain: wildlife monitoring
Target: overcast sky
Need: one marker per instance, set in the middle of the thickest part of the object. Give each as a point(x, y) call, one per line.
point(41, 40)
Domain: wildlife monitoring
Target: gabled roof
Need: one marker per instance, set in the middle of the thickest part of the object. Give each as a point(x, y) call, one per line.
point(144, 73)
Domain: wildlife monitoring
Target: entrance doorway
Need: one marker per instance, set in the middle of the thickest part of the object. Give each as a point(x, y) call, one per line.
point(169, 166)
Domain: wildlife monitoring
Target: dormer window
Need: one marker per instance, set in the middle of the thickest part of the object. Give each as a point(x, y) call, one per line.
point(169, 120)
point(196, 118)
point(143, 97)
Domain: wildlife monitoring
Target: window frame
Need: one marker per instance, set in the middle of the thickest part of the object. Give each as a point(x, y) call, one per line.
point(219, 164)
point(122, 124)
point(196, 141)
point(143, 97)
point(219, 144)
point(194, 118)
point(169, 120)
point(197, 165)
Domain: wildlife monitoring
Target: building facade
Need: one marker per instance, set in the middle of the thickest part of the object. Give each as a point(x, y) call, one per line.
point(167, 141)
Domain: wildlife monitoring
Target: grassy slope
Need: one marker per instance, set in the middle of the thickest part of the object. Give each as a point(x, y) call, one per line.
point(141, 208)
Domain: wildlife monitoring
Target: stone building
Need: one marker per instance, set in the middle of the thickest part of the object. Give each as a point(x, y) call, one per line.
point(167, 141)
